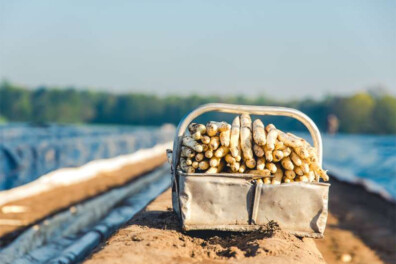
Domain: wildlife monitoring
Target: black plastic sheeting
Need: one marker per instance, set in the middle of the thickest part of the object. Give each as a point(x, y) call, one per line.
point(69, 238)
point(27, 153)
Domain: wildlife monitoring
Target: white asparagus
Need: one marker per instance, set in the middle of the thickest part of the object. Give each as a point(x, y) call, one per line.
point(260, 164)
point(250, 163)
point(246, 136)
point(229, 159)
point(278, 175)
point(214, 142)
point(199, 157)
point(287, 164)
point(258, 150)
point(205, 147)
point(305, 167)
point(187, 152)
point(272, 167)
point(235, 167)
point(195, 164)
point(295, 158)
point(279, 145)
point(271, 138)
point(212, 128)
point(303, 178)
point(263, 173)
point(223, 126)
point(268, 154)
point(269, 127)
point(197, 136)
point(214, 162)
point(311, 176)
point(183, 164)
point(290, 174)
point(302, 152)
point(277, 155)
point(194, 127)
point(212, 170)
point(317, 177)
point(234, 138)
point(302, 141)
point(205, 139)
point(267, 181)
point(312, 154)
point(298, 171)
point(191, 143)
point(286, 152)
point(184, 167)
point(203, 165)
point(225, 137)
point(196, 130)
point(221, 151)
point(259, 135)
point(209, 154)
point(319, 171)
point(246, 140)
point(289, 140)
point(242, 168)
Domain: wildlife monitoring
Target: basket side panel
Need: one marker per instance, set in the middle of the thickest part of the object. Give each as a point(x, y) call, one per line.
point(296, 207)
point(213, 201)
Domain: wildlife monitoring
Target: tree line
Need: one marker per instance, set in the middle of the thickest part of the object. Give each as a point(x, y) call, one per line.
point(359, 113)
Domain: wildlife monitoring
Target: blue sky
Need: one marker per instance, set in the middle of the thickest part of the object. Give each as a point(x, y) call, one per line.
point(283, 49)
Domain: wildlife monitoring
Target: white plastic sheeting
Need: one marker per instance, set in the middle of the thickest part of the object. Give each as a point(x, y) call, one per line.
point(64, 177)
point(27, 153)
point(69, 237)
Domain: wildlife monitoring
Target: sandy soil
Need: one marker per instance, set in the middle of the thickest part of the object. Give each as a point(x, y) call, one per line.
point(57, 199)
point(360, 224)
point(154, 236)
point(361, 229)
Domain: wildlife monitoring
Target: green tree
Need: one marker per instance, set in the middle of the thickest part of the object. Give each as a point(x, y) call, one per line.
point(360, 113)
point(14, 102)
point(384, 115)
point(354, 113)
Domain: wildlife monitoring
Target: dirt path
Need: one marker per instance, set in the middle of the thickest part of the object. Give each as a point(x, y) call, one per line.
point(154, 236)
point(360, 227)
point(360, 224)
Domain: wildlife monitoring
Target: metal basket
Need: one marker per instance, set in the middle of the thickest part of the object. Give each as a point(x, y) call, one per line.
point(235, 201)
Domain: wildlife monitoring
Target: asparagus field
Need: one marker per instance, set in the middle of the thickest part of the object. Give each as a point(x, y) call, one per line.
point(270, 154)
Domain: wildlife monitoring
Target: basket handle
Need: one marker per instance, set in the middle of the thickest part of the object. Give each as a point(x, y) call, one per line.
point(250, 109)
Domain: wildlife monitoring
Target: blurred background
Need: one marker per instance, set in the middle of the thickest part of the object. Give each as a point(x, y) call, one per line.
point(98, 71)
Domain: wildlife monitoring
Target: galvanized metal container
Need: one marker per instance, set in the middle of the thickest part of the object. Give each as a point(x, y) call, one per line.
point(236, 202)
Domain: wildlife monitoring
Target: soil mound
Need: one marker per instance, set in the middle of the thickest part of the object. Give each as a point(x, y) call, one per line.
point(154, 236)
